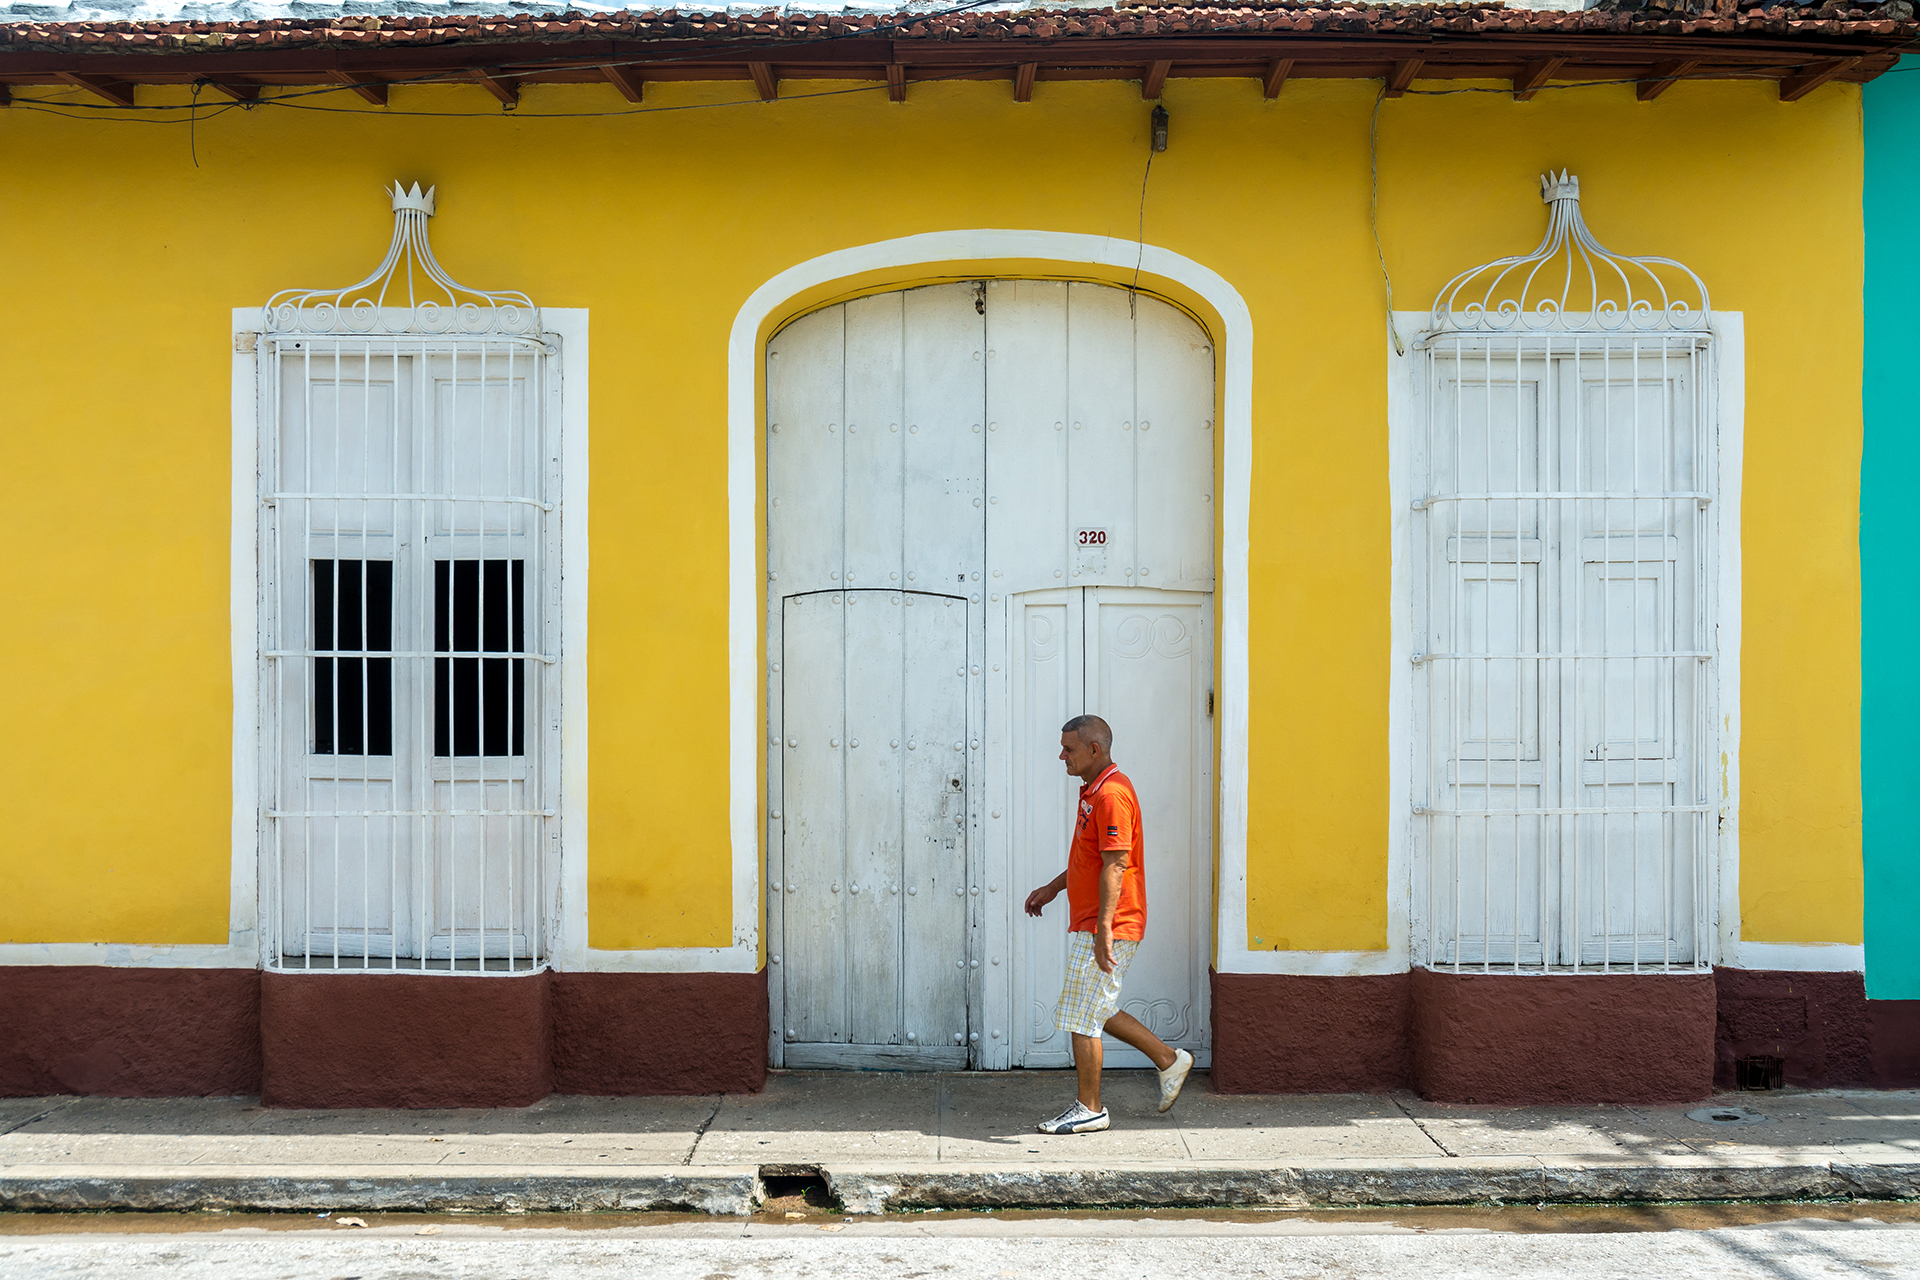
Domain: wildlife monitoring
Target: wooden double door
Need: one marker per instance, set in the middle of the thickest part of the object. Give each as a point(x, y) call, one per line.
point(989, 509)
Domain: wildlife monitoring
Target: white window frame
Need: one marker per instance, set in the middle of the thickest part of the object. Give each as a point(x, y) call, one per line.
point(566, 874)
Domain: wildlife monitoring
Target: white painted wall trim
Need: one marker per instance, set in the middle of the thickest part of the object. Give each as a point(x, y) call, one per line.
point(1797, 957)
point(1730, 404)
point(745, 588)
point(570, 325)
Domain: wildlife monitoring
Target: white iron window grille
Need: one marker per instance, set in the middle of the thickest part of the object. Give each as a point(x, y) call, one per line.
point(410, 604)
point(1564, 611)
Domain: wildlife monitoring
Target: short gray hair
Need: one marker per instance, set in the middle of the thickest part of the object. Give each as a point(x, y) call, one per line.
point(1091, 729)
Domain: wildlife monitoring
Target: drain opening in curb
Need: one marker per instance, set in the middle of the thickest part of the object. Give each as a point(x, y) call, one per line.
point(796, 1189)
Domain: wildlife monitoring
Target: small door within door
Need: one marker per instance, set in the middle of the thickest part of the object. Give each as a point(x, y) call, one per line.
point(873, 896)
point(1141, 660)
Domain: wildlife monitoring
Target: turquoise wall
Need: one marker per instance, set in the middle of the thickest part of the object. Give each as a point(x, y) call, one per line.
point(1889, 545)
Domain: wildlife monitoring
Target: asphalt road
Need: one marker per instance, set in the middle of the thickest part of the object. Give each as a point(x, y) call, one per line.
point(1431, 1247)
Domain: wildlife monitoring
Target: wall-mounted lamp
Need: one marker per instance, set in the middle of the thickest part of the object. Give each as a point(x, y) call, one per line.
point(1159, 128)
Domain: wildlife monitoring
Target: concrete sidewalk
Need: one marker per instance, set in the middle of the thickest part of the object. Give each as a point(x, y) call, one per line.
point(898, 1141)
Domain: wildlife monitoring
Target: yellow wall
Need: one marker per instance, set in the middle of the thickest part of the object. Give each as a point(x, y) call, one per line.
point(125, 259)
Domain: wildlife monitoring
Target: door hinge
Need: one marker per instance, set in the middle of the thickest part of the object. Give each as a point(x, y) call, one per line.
point(1209, 704)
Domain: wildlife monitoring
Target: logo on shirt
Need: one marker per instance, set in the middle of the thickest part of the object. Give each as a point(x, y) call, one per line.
point(1113, 833)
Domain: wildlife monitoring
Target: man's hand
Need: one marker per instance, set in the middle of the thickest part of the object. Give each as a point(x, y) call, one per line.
point(1039, 898)
point(1103, 948)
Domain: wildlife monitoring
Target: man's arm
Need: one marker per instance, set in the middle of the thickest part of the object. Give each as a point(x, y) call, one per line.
point(1113, 869)
point(1039, 898)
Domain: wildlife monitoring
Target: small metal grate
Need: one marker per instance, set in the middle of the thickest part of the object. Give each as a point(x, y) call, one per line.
point(1759, 1073)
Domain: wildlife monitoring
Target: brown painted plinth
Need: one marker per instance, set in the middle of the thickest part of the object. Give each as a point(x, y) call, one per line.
point(1521, 1040)
point(128, 1033)
point(1291, 1033)
point(404, 1040)
point(1815, 1022)
point(656, 1033)
point(1894, 1028)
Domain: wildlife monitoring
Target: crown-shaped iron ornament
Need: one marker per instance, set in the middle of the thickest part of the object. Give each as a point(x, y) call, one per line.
point(407, 294)
point(1572, 284)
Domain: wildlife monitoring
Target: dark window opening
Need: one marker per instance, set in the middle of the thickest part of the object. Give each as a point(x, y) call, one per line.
point(479, 607)
point(353, 697)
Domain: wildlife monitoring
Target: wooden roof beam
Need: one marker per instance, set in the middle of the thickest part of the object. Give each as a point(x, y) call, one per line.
point(624, 79)
point(1664, 74)
point(1533, 75)
point(238, 90)
point(764, 81)
point(374, 91)
point(501, 87)
point(896, 82)
point(118, 92)
point(1023, 81)
point(1276, 78)
point(1402, 75)
point(1155, 80)
point(1811, 77)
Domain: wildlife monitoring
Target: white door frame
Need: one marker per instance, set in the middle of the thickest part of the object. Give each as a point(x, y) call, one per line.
point(746, 573)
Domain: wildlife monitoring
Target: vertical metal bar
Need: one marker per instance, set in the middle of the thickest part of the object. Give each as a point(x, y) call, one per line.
point(272, 474)
point(426, 604)
point(1633, 668)
point(396, 643)
point(481, 521)
point(1572, 860)
point(514, 515)
point(1454, 646)
point(1486, 658)
point(1669, 786)
point(366, 665)
point(1552, 641)
point(1519, 622)
point(306, 574)
point(1432, 794)
point(333, 643)
point(1606, 617)
point(450, 442)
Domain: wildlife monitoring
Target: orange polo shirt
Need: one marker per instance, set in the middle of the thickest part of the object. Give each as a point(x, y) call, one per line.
point(1109, 818)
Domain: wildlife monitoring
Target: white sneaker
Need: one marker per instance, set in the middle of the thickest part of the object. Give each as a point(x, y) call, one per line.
point(1075, 1119)
point(1173, 1077)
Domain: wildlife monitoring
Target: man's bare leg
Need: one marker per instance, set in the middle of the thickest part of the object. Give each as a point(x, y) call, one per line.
point(1087, 1053)
point(1127, 1029)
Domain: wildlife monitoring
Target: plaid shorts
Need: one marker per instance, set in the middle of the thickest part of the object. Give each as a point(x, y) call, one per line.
point(1091, 996)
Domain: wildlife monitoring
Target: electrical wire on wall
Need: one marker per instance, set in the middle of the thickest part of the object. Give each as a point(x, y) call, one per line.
point(1156, 143)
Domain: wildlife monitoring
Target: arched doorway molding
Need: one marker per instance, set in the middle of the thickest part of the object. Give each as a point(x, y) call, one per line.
point(958, 254)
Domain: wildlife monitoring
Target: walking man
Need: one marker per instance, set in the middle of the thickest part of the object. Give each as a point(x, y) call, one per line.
point(1106, 884)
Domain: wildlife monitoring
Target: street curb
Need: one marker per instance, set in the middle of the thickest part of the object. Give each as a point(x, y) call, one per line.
point(868, 1191)
point(731, 1191)
point(738, 1190)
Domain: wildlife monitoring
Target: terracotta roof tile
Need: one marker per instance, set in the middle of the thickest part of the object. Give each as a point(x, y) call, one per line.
point(1887, 21)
